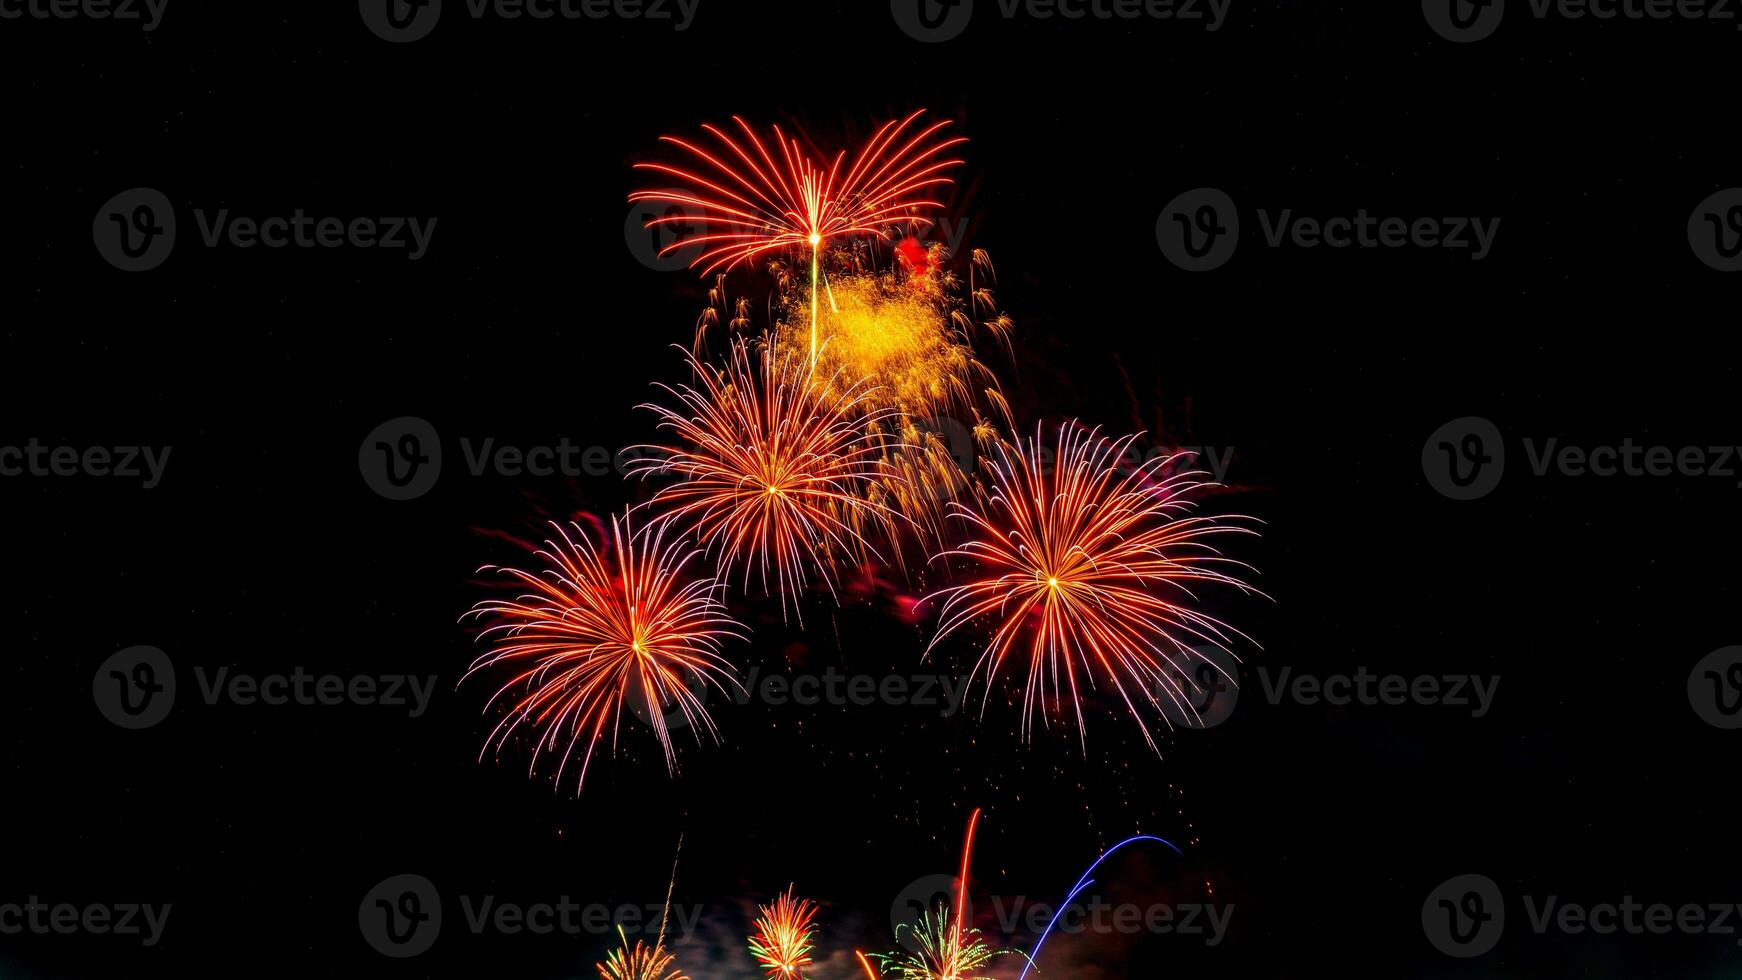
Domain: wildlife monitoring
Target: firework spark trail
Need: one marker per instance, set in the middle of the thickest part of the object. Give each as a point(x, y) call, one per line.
point(784, 936)
point(948, 948)
point(601, 631)
point(775, 469)
point(1079, 556)
point(962, 879)
point(1084, 882)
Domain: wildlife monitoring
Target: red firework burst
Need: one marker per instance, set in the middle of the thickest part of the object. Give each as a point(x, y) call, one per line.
point(1094, 564)
point(775, 467)
point(750, 200)
point(601, 631)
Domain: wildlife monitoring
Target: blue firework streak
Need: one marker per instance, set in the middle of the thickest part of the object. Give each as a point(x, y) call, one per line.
point(1084, 882)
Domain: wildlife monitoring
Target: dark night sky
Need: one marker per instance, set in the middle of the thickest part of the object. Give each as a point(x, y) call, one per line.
point(530, 321)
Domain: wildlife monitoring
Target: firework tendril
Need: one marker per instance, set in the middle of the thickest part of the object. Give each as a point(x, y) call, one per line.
point(600, 630)
point(1092, 562)
point(773, 466)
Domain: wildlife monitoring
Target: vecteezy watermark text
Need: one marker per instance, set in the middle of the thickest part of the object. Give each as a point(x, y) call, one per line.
point(1363, 687)
point(147, 13)
point(35, 459)
point(1465, 459)
point(402, 917)
point(41, 918)
point(1199, 230)
point(135, 688)
point(401, 459)
point(1100, 917)
point(934, 21)
point(830, 686)
point(1464, 21)
point(402, 21)
point(136, 230)
point(1466, 916)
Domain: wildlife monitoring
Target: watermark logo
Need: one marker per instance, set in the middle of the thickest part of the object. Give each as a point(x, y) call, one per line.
point(952, 440)
point(1200, 687)
point(34, 459)
point(1199, 230)
point(920, 901)
point(932, 21)
point(1465, 458)
point(1203, 921)
point(40, 918)
point(670, 711)
point(135, 230)
point(401, 459)
point(1715, 230)
point(135, 688)
point(400, 21)
point(831, 686)
point(1715, 688)
point(925, 232)
point(401, 917)
point(1368, 689)
point(1465, 916)
point(147, 13)
point(656, 230)
point(1463, 21)
point(301, 230)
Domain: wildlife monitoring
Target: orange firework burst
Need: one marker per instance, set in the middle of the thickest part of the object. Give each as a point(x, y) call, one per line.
point(752, 201)
point(601, 631)
point(784, 936)
point(906, 340)
point(1093, 558)
point(774, 467)
point(640, 962)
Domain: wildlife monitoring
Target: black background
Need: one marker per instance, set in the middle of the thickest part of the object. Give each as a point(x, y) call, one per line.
point(531, 321)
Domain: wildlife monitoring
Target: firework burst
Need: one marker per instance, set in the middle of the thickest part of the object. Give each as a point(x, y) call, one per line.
point(600, 630)
point(901, 337)
point(946, 951)
point(947, 948)
point(751, 201)
point(898, 334)
point(640, 962)
point(1092, 560)
point(784, 936)
point(774, 469)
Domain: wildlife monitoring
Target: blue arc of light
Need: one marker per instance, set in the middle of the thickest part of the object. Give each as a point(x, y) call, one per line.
point(1082, 883)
